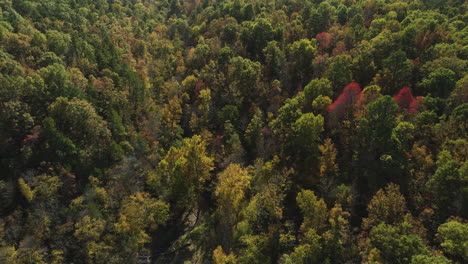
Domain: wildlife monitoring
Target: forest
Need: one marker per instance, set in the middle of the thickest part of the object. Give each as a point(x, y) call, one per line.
point(233, 131)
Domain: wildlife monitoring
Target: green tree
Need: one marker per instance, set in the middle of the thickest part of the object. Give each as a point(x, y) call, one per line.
point(243, 75)
point(301, 55)
point(58, 42)
point(396, 73)
point(317, 87)
point(274, 60)
point(447, 185)
point(315, 211)
point(439, 82)
point(454, 237)
point(78, 120)
point(339, 72)
point(307, 131)
point(396, 244)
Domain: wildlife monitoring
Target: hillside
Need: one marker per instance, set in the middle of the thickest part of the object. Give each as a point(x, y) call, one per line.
point(234, 131)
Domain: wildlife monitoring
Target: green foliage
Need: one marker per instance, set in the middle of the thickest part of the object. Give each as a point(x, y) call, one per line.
point(206, 131)
point(307, 130)
point(316, 88)
point(440, 82)
point(339, 72)
point(448, 186)
point(454, 237)
point(302, 53)
point(396, 244)
point(314, 210)
point(424, 259)
point(387, 206)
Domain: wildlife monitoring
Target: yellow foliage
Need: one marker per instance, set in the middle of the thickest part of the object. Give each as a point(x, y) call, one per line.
point(89, 228)
point(219, 257)
point(25, 190)
point(230, 190)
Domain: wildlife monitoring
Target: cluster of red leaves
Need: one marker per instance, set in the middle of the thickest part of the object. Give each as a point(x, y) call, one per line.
point(406, 100)
point(352, 94)
point(34, 137)
point(349, 97)
point(198, 86)
point(324, 39)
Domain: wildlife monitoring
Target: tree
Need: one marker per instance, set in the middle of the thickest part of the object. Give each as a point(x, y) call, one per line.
point(219, 257)
point(396, 244)
point(301, 54)
point(439, 82)
point(58, 42)
point(307, 130)
point(318, 87)
point(339, 71)
point(253, 132)
point(426, 259)
point(377, 153)
point(185, 170)
point(308, 251)
point(230, 33)
point(243, 76)
point(314, 211)
point(230, 190)
point(396, 72)
point(447, 187)
point(139, 215)
point(320, 104)
point(89, 229)
point(337, 237)
point(345, 102)
point(454, 237)
point(406, 100)
point(286, 117)
point(328, 166)
point(274, 60)
point(25, 190)
point(387, 206)
point(16, 120)
point(78, 120)
point(57, 84)
point(171, 115)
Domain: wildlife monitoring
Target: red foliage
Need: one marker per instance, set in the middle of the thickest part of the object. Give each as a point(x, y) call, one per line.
point(34, 137)
point(349, 97)
point(217, 140)
point(198, 86)
point(406, 100)
point(324, 39)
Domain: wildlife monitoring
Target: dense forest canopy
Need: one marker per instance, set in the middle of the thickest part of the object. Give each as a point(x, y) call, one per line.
point(234, 131)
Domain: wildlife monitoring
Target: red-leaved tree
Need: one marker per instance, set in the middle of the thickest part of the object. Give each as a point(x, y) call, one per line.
point(324, 39)
point(406, 100)
point(348, 98)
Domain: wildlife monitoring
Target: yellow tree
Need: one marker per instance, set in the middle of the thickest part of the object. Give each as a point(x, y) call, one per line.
point(185, 170)
point(230, 191)
point(328, 166)
point(387, 206)
point(233, 182)
point(139, 215)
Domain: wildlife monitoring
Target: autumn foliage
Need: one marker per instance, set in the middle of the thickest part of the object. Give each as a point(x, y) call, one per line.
point(406, 100)
point(324, 39)
point(349, 97)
